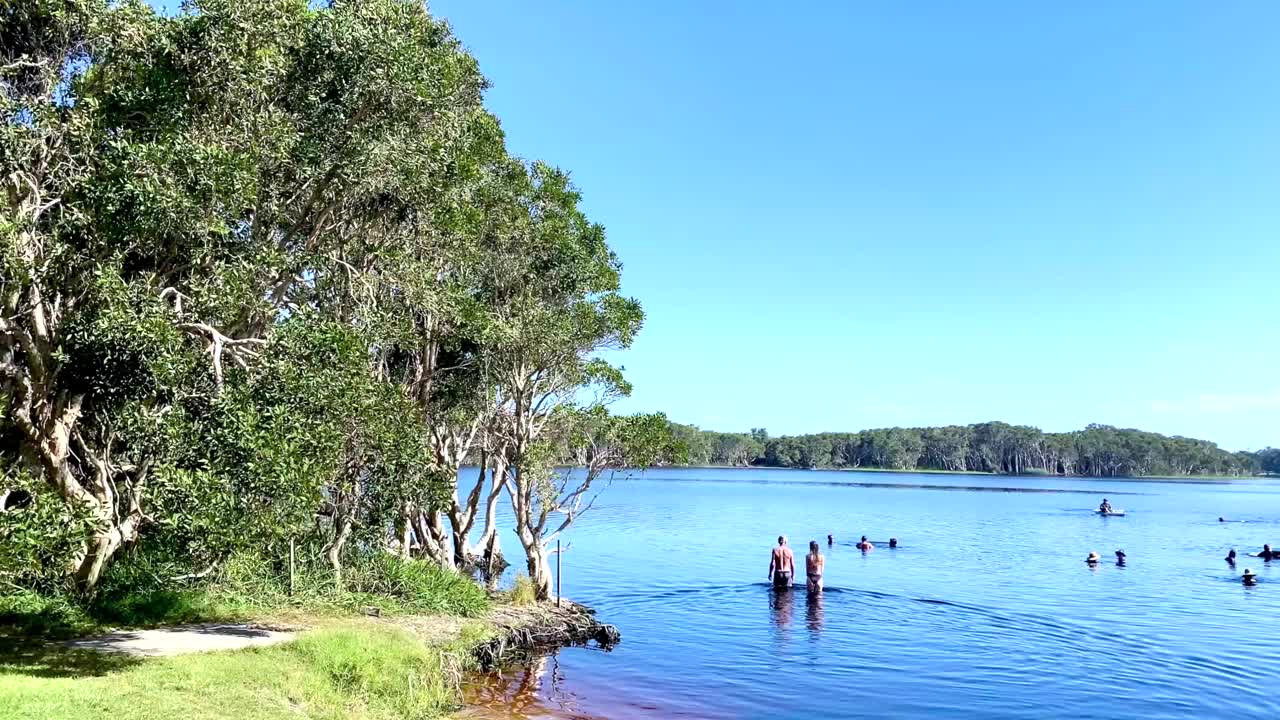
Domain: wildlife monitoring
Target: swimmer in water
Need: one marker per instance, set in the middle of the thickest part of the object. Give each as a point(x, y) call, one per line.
point(1093, 559)
point(1249, 577)
point(1266, 553)
point(865, 545)
point(831, 540)
point(782, 565)
point(1231, 557)
point(814, 564)
point(1119, 557)
point(893, 543)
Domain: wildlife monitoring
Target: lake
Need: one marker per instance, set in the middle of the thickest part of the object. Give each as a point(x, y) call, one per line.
point(987, 610)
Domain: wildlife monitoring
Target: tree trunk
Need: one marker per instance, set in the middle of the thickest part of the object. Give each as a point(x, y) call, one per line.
point(341, 532)
point(433, 539)
point(536, 562)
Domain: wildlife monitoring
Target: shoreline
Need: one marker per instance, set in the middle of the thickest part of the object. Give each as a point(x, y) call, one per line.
point(890, 471)
point(359, 667)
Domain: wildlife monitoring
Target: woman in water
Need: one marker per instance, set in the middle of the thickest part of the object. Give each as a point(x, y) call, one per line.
point(1231, 557)
point(814, 564)
point(864, 544)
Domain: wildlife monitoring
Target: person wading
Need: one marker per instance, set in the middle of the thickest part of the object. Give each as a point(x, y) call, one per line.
point(814, 564)
point(782, 565)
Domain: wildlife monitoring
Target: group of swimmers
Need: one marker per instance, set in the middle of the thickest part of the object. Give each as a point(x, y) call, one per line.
point(1248, 578)
point(782, 563)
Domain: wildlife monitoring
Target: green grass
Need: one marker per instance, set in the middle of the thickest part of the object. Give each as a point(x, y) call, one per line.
point(523, 592)
point(358, 670)
point(247, 588)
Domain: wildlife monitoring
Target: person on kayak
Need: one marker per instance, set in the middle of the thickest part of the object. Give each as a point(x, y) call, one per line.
point(782, 565)
point(1105, 507)
point(1231, 557)
point(814, 564)
point(1266, 553)
point(865, 545)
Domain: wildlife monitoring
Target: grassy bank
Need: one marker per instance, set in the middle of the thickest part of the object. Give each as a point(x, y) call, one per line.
point(405, 663)
point(357, 669)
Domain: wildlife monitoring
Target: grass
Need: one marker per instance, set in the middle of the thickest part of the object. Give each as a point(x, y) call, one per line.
point(248, 588)
point(356, 669)
point(523, 592)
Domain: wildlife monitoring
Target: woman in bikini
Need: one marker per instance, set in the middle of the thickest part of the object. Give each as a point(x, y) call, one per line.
point(814, 563)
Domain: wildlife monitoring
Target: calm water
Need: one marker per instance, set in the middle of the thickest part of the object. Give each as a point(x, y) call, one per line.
point(987, 610)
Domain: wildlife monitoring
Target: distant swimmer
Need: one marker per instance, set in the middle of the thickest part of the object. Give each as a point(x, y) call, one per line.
point(831, 540)
point(1093, 559)
point(1231, 557)
point(865, 545)
point(1220, 519)
point(1105, 507)
point(893, 543)
point(1266, 553)
point(1120, 557)
point(1249, 577)
point(814, 564)
point(782, 565)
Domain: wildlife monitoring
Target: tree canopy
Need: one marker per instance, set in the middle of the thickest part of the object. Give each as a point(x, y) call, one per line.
point(268, 273)
point(993, 447)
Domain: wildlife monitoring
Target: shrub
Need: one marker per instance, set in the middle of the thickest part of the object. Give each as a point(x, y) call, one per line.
point(523, 593)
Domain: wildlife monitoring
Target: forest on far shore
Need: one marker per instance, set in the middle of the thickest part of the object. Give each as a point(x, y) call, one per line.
point(994, 447)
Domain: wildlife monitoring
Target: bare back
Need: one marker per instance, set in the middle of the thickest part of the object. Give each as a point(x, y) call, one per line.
point(814, 563)
point(783, 560)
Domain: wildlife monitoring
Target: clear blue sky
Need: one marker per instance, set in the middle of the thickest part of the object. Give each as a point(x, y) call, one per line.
point(845, 215)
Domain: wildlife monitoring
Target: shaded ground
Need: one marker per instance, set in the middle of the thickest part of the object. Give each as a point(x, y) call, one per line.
point(182, 639)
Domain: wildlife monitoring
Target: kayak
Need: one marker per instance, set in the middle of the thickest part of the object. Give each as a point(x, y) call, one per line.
point(1113, 513)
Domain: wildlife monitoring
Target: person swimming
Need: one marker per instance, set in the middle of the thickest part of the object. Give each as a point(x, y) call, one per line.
point(893, 543)
point(1249, 577)
point(814, 564)
point(1231, 557)
point(1105, 507)
point(1266, 553)
point(864, 544)
point(782, 565)
point(1120, 557)
point(831, 540)
point(1093, 559)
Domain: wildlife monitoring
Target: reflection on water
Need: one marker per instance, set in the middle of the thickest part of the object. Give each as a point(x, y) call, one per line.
point(990, 611)
point(530, 692)
point(813, 614)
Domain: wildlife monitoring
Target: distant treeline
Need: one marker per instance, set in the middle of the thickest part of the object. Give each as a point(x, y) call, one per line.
point(995, 447)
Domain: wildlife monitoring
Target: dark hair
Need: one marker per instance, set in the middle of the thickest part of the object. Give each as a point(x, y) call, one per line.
point(813, 545)
point(781, 538)
point(864, 538)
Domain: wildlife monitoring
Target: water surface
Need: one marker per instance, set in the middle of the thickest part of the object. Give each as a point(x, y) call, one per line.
point(987, 609)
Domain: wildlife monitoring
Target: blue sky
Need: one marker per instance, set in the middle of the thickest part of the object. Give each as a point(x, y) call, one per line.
point(846, 215)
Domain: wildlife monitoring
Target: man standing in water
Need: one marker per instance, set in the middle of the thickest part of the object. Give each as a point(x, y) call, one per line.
point(782, 565)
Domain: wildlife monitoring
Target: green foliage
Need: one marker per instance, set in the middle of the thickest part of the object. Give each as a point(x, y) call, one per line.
point(419, 586)
point(995, 447)
point(523, 592)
